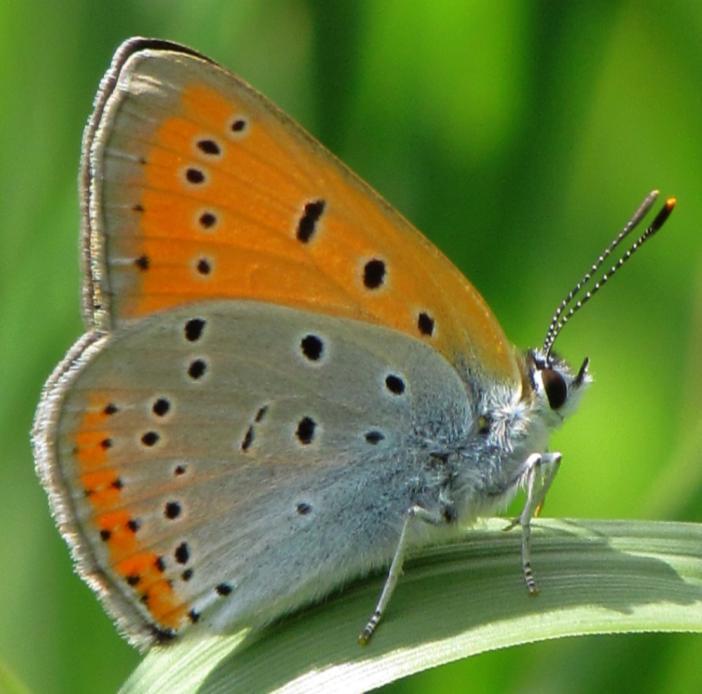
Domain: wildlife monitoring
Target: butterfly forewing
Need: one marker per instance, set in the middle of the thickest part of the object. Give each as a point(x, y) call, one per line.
point(202, 189)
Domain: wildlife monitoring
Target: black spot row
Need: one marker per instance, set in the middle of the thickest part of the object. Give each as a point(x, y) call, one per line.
point(307, 426)
point(307, 225)
point(150, 438)
point(374, 271)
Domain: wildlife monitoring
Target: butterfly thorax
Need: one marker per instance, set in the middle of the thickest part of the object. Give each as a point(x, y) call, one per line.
point(510, 422)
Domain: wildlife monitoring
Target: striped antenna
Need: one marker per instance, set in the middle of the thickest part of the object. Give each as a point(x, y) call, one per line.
point(563, 313)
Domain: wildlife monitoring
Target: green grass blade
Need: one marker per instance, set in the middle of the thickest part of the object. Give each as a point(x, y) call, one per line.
point(454, 601)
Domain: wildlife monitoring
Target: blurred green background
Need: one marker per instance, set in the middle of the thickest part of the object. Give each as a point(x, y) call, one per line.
point(519, 136)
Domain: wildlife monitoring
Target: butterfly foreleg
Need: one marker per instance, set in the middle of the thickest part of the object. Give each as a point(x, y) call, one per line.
point(539, 472)
point(445, 513)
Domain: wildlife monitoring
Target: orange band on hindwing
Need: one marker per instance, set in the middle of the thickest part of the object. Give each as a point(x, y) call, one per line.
point(113, 525)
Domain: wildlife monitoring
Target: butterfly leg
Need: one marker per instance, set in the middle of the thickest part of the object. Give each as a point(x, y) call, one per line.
point(539, 472)
point(414, 513)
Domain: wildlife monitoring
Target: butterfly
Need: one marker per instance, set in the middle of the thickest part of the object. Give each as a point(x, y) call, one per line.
point(283, 385)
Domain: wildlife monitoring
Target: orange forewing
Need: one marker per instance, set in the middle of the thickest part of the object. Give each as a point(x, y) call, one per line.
point(201, 190)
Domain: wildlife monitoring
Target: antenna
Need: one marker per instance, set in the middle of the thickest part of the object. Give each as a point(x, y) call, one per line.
point(559, 319)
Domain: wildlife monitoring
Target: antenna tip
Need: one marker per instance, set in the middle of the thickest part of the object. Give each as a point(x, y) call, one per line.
point(663, 215)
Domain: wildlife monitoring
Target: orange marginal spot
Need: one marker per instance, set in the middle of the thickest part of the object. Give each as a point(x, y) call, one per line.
point(102, 485)
point(91, 449)
point(138, 564)
point(113, 520)
point(157, 593)
point(121, 540)
point(91, 439)
point(163, 605)
point(255, 189)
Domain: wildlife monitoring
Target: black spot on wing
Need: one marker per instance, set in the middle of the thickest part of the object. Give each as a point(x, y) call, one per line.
point(305, 431)
point(172, 510)
point(374, 272)
point(194, 329)
point(312, 347)
point(209, 146)
point(374, 437)
point(194, 176)
point(182, 553)
point(425, 324)
point(197, 368)
point(309, 221)
point(248, 439)
point(161, 407)
point(395, 384)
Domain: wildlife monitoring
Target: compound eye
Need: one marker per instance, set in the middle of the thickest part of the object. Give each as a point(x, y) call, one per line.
point(555, 387)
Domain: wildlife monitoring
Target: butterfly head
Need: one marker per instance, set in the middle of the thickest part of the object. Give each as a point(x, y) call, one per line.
point(555, 386)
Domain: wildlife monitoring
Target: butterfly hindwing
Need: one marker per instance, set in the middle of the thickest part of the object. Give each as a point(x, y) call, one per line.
point(202, 447)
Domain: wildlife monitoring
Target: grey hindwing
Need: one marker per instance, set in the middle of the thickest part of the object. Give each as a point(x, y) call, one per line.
point(292, 442)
